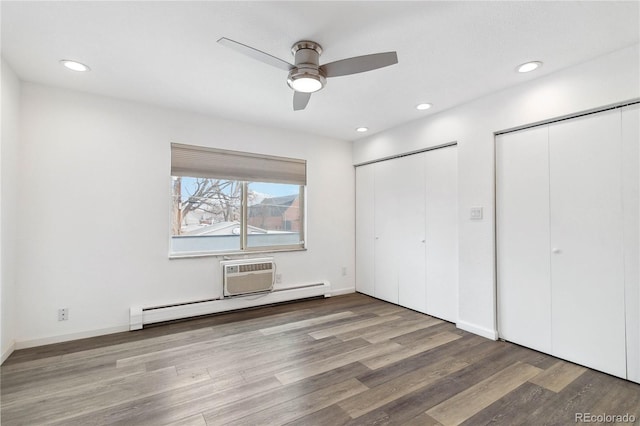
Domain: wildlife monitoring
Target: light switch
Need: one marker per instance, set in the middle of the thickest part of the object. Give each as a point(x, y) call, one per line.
point(476, 213)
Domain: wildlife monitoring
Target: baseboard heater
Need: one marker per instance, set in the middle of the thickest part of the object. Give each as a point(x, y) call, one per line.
point(140, 316)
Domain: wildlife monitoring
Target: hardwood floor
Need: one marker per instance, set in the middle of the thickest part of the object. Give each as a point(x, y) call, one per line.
point(348, 360)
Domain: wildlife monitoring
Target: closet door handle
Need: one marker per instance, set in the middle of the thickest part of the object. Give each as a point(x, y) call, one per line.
point(556, 250)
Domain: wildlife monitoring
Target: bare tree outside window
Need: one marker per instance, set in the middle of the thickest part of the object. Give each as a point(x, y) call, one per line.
point(209, 200)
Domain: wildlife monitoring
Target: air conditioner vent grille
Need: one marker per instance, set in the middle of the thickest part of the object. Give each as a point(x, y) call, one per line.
point(255, 267)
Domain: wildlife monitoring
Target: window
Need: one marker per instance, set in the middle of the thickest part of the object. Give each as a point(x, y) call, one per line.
point(228, 201)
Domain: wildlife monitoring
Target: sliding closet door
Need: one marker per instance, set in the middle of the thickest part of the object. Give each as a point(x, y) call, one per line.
point(365, 229)
point(410, 223)
point(441, 176)
point(587, 269)
point(631, 208)
point(522, 217)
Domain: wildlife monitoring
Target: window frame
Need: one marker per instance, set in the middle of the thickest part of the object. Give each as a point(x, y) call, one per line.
point(244, 207)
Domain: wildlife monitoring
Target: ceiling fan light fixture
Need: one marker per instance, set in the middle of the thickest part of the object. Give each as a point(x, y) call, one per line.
point(306, 80)
point(306, 84)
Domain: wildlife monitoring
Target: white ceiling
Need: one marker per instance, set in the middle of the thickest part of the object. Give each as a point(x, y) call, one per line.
point(165, 53)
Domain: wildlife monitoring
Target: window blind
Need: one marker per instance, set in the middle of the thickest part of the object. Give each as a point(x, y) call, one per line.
point(204, 162)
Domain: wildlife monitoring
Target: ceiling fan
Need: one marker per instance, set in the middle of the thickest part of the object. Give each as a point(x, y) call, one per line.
point(306, 75)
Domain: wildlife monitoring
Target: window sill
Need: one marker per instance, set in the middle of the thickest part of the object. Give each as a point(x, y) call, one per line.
point(192, 255)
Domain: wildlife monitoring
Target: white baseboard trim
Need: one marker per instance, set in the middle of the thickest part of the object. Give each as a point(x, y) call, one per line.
point(7, 353)
point(475, 329)
point(341, 291)
point(31, 343)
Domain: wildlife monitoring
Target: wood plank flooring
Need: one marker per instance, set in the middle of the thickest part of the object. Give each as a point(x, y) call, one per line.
point(348, 360)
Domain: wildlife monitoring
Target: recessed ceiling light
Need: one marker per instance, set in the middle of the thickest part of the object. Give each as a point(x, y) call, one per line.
point(422, 107)
point(529, 66)
point(362, 129)
point(74, 65)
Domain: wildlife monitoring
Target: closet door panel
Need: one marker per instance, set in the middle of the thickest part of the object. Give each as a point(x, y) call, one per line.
point(388, 214)
point(411, 231)
point(522, 218)
point(441, 177)
point(588, 321)
point(365, 236)
point(631, 208)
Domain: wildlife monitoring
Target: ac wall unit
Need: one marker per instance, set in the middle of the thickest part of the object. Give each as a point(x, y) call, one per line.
point(247, 276)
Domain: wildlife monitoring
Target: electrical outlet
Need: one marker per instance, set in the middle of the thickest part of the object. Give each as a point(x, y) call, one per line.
point(344, 271)
point(63, 314)
point(278, 278)
point(475, 213)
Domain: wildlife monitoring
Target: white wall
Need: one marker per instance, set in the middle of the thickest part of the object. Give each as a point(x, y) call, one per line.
point(10, 89)
point(603, 81)
point(95, 206)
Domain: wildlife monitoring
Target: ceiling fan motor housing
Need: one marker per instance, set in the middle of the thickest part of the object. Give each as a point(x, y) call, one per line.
point(307, 65)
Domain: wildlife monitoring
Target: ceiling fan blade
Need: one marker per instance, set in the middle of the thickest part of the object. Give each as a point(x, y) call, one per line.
point(300, 100)
point(256, 54)
point(359, 64)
